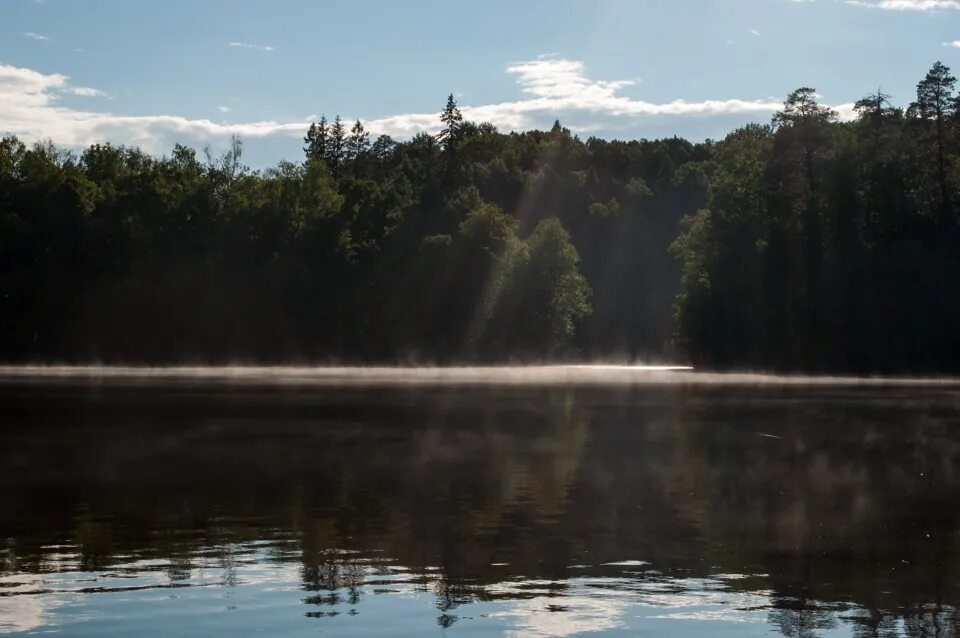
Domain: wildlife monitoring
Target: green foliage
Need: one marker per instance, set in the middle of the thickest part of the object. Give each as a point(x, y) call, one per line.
point(608, 209)
point(336, 147)
point(316, 140)
point(362, 252)
point(488, 229)
point(936, 105)
point(452, 122)
point(805, 244)
point(557, 295)
point(829, 246)
point(638, 188)
point(801, 109)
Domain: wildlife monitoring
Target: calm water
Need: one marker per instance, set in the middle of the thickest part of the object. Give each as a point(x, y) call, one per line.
point(244, 506)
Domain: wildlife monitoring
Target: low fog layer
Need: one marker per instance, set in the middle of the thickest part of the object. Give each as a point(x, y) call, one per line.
point(489, 375)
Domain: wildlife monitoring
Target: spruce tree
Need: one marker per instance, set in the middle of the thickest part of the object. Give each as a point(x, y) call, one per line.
point(336, 146)
point(452, 121)
point(316, 140)
point(358, 143)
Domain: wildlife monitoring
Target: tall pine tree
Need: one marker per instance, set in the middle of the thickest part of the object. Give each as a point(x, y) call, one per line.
point(935, 103)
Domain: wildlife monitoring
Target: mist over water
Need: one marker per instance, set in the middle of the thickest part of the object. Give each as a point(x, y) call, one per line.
point(521, 501)
point(580, 374)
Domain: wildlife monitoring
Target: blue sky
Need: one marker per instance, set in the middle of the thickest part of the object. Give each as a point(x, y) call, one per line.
point(195, 71)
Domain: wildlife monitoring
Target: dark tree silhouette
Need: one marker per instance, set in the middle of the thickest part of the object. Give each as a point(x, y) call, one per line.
point(808, 244)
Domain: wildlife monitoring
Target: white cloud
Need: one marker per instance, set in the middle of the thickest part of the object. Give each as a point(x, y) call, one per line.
point(247, 45)
point(902, 5)
point(753, 31)
point(551, 88)
point(906, 5)
point(35, 36)
point(846, 111)
point(29, 107)
point(955, 44)
point(558, 88)
point(85, 91)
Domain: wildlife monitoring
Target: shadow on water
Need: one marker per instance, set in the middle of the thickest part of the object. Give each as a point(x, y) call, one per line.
point(806, 510)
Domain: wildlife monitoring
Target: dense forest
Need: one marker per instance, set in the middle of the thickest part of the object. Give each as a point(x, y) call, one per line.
point(803, 244)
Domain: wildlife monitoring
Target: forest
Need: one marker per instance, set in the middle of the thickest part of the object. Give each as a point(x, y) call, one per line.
point(806, 243)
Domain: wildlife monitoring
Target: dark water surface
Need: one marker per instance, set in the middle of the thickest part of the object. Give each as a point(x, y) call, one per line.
point(173, 507)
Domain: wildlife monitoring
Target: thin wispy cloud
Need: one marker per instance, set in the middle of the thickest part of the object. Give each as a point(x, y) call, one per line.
point(86, 91)
point(955, 44)
point(753, 32)
point(35, 36)
point(248, 45)
point(901, 5)
point(551, 88)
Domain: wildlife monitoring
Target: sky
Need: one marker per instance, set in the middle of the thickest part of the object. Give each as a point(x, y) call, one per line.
point(152, 73)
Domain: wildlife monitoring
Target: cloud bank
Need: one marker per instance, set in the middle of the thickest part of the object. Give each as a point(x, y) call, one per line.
point(551, 88)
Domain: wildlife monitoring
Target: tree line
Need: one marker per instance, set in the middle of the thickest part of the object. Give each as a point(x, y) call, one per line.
point(827, 245)
point(806, 243)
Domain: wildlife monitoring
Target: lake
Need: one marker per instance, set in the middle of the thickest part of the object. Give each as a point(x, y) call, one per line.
point(521, 502)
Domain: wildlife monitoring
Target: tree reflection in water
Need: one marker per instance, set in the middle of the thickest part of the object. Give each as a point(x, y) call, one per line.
point(810, 509)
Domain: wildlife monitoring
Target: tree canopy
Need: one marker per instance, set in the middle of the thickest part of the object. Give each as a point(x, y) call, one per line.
point(830, 246)
point(808, 243)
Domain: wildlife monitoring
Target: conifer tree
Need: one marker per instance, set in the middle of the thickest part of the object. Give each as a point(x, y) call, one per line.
point(935, 102)
point(382, 148)
point(336, 146)
point(316, 139)
point(452, 121)
point(358, 143)
point(874, 109)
